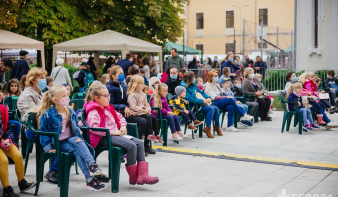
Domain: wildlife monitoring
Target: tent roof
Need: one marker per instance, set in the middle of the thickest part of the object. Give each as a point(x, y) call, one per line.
point(10, 40)
point(179, 48)
point(107, 41)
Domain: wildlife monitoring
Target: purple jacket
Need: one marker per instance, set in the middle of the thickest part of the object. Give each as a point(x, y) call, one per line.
point(165, 107)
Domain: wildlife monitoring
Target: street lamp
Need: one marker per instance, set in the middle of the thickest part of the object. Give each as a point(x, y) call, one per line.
point(240, 23)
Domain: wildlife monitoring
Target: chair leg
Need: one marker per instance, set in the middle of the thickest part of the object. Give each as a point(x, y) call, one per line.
point(28, 150)
point(288, 122)
point(283, 124)
point(77, 172)
point(115, 172)
point(300, 120)
point(236, 119)
point(222, 119)
point(165, 132)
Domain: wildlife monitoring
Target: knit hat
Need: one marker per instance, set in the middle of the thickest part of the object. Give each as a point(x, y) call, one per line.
point(179, 90)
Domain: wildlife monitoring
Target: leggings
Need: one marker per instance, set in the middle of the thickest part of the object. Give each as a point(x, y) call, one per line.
point(151, 123)
point(317, 108)
point(174, 122)
point(264, 106)
point(254, 108)
point(186, 117)
point(15, 155)
point(141, 127)
point(306, 115)
point(134, 147)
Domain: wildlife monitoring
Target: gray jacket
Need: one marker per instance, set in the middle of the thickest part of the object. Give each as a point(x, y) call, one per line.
point(28, 99)
point(248, 88)
point(176, 61)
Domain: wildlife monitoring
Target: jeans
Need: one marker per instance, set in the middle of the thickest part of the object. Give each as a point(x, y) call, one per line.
point(54, 167)
point(134, 147)
point(80, 151)
point(174, 122)
point(212, 113)
point(254, 108)
point(317, 108)
point(326, 103)
point(243, 108)
point(29, 134)
point(17, 129)
point(230, 105)
point(141, 127)
point(306, 115)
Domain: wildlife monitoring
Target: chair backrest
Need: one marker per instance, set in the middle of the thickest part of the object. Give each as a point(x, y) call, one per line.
point(32, 121)
point(11, 102)
point(85, 89)
point(148, 97)
point(169, 96)
point(282, 96)
point(78, 104)
point(79, 96)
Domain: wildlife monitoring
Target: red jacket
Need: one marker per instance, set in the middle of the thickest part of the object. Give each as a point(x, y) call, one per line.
point(313, 85)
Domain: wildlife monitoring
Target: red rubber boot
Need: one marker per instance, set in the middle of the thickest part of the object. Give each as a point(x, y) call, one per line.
point(143, 175)
point(320, 119)
point(132, 171)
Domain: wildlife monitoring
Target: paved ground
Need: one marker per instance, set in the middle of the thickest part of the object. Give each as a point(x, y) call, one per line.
point(186, 175)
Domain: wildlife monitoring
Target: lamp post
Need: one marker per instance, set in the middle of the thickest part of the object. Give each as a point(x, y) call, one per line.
point(240, 23)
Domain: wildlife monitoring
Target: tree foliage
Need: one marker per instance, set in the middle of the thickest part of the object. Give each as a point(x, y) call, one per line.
point(8, 11)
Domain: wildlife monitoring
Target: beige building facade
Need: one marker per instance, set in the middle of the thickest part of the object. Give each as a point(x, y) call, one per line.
point(212, 25)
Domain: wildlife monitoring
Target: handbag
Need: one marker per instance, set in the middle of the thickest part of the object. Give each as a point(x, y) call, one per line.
point(200, 96)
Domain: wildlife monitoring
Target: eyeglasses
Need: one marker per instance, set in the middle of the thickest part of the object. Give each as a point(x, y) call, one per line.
point(107, 96)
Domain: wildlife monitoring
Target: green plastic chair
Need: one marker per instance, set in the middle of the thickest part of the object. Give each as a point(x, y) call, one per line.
point(287, 116)
point(65, 159)
point(85, 89)
point(77, 104)
point(79, 96)
point(115, 153)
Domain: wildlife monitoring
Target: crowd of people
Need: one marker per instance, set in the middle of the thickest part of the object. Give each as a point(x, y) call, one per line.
point(119, 97)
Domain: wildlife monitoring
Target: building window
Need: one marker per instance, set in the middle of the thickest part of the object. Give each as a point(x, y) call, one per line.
point(316, 24)
point(228, 47)
point(230, 19)
point(264, 45)
point(263, 16)
point(200, 47)
point(199, 21)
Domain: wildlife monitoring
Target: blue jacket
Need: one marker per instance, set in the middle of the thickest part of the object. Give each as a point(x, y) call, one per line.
point(20, 68)
point(125, 64)
point(262, 67)
point(191, 94)
point(51, 121)
point(118, 97)
point(293, 97)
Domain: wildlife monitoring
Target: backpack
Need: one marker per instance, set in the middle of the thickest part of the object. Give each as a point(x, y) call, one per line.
point(88, 79)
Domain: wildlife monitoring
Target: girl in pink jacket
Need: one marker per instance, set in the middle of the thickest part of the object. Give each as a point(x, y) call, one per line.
point(102, 115)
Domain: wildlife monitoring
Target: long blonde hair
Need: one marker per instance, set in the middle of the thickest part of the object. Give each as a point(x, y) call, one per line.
point(134, 81)
point(309, 74)
point(302, 77)
point(293, 87)
point(94, 92)
point(47, 102)
point(157, 96)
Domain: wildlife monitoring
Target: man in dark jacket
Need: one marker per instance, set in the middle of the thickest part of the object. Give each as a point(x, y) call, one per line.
point(82, 75)
point(108, 64)
point(260, 67)
point(192, 65)
point(173, 81)
point(246, 61)
point(21, 66)
point(126, 63)
point(175, 60)
point(92, 66)
point(6, 64)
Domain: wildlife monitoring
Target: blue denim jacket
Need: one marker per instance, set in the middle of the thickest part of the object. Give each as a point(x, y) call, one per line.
point(51, 121)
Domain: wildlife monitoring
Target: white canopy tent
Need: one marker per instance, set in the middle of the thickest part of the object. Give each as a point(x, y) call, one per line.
point(10, 40)
point(107, 42)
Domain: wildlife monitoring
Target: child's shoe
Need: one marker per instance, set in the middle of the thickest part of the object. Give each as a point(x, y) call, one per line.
point(247, 117)
point(143, 176)
point(243, 123)
point(249, 123)
point(320, 119)
point(175, 136)
point(95, 185)
point(314, 126)
point(132, 171)
point(181, 134)
point(308, 127)
point(102, 178)
point(197, 122)
point(52, 176)
point(152, 138)
point(24, 185)
point(159, 139)
point(8, 192)
point(191, 127)
point(94, 169)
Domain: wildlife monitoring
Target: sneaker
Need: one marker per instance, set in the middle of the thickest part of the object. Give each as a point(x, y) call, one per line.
point(152, 138)
point(308, 127)
point(25, 186)
point(175, 136)
point(102, 178)
point(181, 134)
point(52, 176)
point(243, 123)
point(249, 123)
point(95, 185)
point(159, 139)
point(314, 126)
point(247, 117)
point(232, 128)
point(335, 125)
point(8, 192)
point(149, 150)
point(331, 124)
point(94, 169)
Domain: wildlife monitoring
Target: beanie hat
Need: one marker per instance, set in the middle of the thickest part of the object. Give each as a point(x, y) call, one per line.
point(179, 90)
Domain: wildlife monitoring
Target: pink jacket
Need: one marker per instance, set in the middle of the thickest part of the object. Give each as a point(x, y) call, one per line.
point(94, 120)
point(308, 86)
point(165, 107)
point(137, 103)
point(164, 77)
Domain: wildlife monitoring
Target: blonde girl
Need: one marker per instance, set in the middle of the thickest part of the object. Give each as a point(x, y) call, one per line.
point(105, 79)
point(139, 106)
point(13, 88)
point(199, 83)
point(54, 109)
point(102, 115)
point(159, 100)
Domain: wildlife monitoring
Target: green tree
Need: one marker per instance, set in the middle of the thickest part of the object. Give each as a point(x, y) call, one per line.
point(8, 10)
point(52, 22)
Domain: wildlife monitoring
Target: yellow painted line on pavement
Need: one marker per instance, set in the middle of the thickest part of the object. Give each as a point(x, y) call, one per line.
point(256, 158)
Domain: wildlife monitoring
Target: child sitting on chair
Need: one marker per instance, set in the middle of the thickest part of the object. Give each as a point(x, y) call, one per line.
point(179, 108)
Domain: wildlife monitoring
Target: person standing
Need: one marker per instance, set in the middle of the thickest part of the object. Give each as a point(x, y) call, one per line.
point(192, 65)
point(21, 66)
point(246, 60)
point(260, 67)
point(126, 63)
point(60, 74)
point(215, 63)
point(6, 64)
point(108, 65)
point(175, 60)
point(92, 67)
